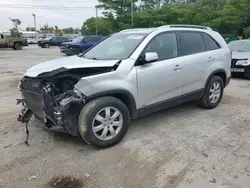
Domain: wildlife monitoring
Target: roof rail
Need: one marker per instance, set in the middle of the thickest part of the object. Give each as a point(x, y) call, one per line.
point(186, 26)
point(137, 29)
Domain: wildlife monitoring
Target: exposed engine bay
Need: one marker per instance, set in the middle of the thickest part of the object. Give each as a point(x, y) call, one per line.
point(52, 98)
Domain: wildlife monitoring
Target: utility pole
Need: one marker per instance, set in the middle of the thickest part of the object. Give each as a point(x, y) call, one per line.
point(96, 24)
point(34, 15)
point(96, 18)
point(132, 13)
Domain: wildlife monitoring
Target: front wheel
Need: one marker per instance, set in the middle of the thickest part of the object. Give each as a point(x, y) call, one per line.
point(103, 122)
point(46, 45)
point(213, 93)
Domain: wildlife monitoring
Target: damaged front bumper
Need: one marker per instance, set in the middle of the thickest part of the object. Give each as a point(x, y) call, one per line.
point(59, 112)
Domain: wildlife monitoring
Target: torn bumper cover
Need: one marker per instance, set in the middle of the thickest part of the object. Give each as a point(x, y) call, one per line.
point(59, 112)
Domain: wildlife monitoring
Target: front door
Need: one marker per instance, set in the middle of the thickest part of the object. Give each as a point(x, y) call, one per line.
point(161, 80)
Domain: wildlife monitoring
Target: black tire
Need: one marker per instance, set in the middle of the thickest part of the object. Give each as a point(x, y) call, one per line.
point(17, 46)
point(88, 113)
point(205, 102)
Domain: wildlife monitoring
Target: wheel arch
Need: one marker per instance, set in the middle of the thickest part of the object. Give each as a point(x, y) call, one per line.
point(125, 96)
point(221, 73)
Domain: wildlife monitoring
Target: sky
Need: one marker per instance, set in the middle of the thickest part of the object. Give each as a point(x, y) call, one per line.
point(61, 18)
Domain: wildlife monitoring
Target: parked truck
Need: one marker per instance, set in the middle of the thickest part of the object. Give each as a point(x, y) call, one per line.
point(11, 42)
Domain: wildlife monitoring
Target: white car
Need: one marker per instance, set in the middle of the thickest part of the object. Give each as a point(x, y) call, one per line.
point(127, 75)
point(32, 40)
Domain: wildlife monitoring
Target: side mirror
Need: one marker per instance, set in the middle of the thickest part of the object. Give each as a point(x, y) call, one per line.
point(151, 57)
point(148, 57)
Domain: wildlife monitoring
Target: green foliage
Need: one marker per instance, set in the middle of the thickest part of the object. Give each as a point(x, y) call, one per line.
point(14, 32)
point(225, 16)
point(15, 22)
point(58, 31)
point(247, 32)
point(48, 29)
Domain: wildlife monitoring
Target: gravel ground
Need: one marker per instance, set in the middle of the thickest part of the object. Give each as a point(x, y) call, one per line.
point(184, 147)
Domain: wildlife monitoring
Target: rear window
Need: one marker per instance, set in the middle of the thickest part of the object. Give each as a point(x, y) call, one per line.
point(191, 43)
point(211, 44)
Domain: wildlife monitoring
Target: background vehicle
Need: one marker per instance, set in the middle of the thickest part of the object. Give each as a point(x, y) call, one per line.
point(32, 40)
point(229, 37)
point(10, 42)
point(53, 41)
point(240, 65)
point(128, 75)
point(79, 45)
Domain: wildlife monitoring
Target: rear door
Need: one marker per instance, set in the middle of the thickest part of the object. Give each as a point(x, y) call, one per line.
point(193, 47)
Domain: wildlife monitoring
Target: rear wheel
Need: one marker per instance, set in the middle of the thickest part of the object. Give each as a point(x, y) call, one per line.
point(213, 93)
point(103, 122)
point(17, 46)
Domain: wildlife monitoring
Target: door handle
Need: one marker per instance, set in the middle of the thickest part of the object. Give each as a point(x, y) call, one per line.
point(178, 67)
point(211, 59)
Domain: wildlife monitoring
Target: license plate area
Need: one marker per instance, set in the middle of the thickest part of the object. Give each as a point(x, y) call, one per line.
point(237, 70)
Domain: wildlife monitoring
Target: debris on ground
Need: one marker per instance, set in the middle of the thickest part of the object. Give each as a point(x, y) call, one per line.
point(213, 181)
point(32, 178)
point(7, 146)
point(203, 153)
point(65, 182)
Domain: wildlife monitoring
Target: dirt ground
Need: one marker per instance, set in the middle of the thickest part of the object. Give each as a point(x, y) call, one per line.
point(184, 147)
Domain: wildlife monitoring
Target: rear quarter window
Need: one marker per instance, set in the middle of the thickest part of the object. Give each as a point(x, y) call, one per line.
point(211, 44)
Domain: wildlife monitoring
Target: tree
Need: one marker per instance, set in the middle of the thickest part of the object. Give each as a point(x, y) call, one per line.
point(69, 30)
point(47, 29)
point(58, 31)
point(104, 27)
point(15, 22)
point(225, 16)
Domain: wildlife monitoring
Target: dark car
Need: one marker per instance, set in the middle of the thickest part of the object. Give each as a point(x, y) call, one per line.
point(79, 44)
point(240, 58)
point(53, 41)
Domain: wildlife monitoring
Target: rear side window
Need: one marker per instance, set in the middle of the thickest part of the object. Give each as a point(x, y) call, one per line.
point(191, 43)
point(210, 42)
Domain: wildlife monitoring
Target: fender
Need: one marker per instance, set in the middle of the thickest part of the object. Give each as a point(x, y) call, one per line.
point(129, 99)
point(216, 72)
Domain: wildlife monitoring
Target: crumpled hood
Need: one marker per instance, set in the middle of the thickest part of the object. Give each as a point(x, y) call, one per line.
point(72, 62)
point(241, 55)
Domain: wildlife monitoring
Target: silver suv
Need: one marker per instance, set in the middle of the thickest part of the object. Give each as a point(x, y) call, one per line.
point(125, 76)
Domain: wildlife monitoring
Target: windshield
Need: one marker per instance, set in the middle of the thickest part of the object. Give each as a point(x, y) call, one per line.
point(240, 46)
point(78, 39)
point(117, 47)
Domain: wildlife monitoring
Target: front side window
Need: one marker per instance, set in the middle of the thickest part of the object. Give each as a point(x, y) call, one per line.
point(165, 45)
point(191, 43)
point(116, 47)
point(55, 38)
